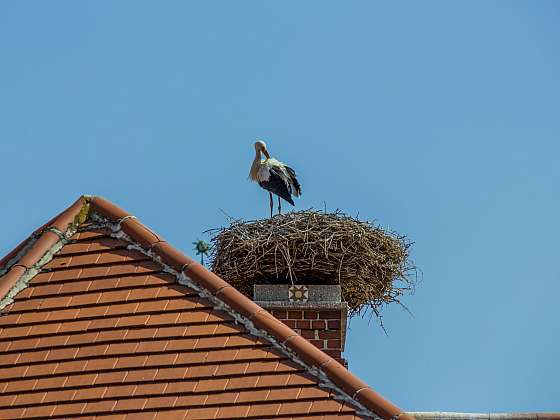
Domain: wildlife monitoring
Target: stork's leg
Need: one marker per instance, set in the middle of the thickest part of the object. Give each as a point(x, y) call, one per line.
point(279, 206)
point(271, 204)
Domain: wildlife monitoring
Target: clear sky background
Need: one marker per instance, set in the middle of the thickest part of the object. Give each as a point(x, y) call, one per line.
point(440, 120)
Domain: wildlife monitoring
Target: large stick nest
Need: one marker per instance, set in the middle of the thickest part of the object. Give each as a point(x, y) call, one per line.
point(371, 265)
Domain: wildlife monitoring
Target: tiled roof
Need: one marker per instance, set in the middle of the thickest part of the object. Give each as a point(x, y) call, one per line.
point(103, 319)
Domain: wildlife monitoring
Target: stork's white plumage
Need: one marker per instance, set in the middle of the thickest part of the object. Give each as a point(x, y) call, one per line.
point(274, 176)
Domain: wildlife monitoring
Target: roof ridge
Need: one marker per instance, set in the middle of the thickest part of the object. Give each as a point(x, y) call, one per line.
point(23, 262)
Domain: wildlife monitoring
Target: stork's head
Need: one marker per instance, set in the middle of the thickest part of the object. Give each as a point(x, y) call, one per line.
point(260, 146)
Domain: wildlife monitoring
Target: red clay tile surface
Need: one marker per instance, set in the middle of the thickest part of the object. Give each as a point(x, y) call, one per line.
point(102, 331)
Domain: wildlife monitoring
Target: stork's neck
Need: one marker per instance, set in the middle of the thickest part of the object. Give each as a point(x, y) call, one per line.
point(255, 166)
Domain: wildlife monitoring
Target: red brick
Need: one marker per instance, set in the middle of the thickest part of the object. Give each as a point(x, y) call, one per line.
point(311, 314)
point(334, 344)
point(333, 324)
point(303, 324)
point(295, 314)
point(319, 325)
point(309, 334)
point(329, 334)
point(329, 314)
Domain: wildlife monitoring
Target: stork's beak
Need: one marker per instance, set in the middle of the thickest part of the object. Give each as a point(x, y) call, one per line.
point(265, 152)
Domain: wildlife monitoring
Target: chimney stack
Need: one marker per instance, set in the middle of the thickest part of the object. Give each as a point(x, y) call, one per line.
point(315, 311)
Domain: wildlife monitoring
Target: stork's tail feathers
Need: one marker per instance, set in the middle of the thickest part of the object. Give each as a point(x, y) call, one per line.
point(296, 191)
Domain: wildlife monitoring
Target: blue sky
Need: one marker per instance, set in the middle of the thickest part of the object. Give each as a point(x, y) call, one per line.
point(438, 119)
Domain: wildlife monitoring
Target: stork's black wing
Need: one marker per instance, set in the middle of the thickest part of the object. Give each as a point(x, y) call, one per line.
point(295, 181)
point(278, 186)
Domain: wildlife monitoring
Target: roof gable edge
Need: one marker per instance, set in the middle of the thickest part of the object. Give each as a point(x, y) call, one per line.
point(24, 261)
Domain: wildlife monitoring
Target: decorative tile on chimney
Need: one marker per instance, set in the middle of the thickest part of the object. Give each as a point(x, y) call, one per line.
point(314, 311)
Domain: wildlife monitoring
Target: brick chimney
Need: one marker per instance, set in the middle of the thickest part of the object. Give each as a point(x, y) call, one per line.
point(315, 311)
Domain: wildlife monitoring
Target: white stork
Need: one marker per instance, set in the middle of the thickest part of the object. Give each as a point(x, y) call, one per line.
point(274, 176)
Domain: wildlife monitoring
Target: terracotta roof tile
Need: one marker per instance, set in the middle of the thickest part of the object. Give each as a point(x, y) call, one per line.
point(104, 330)
point(45, 411)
